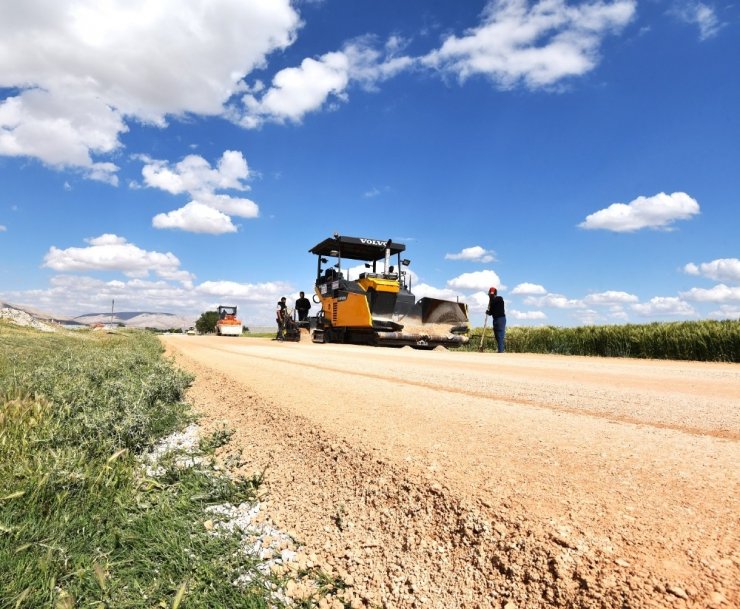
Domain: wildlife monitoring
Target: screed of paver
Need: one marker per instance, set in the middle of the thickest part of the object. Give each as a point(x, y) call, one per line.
point(438, 479)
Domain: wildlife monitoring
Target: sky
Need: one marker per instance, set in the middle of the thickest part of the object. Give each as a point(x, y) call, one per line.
point(582, 157)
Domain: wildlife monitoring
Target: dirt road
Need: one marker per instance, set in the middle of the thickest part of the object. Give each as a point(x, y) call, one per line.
point(444, 479)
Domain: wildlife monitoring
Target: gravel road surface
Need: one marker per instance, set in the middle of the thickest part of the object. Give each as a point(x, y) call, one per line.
point(445, 479)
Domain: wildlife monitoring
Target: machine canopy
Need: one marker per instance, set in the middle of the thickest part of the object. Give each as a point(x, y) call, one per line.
point(356, 248)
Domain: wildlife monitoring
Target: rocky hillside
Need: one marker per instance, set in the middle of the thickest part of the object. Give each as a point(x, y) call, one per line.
point(22, 318)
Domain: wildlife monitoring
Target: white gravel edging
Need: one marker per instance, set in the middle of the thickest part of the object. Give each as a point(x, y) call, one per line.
point(276, 552)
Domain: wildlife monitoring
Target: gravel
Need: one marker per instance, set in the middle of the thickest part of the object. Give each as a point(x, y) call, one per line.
point(442, 479)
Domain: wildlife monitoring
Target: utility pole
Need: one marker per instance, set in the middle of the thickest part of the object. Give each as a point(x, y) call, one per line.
point(112, 302)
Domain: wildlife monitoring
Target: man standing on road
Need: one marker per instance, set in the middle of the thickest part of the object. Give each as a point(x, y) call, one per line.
point(302, 305)
point(497, 312)
point(281, 313)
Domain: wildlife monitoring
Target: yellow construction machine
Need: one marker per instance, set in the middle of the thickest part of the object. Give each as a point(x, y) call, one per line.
point(377, 307)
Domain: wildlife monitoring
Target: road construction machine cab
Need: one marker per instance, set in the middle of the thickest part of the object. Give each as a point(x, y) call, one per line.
point(372, 303)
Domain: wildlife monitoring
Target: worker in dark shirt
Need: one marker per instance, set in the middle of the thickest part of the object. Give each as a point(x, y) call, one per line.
point(281, 314)
point(497, 312)
point(302, 305)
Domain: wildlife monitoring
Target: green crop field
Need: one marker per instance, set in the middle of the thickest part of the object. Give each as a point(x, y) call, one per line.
point(714, 341)
point(81, 523)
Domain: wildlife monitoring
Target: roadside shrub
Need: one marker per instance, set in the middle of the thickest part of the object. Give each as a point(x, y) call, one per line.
point(81, 525)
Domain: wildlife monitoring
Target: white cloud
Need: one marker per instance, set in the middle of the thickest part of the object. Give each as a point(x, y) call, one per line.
point(370, 65)
point(267, 292)
point(536, 46)
point(62, 131)
point(77, 294)
point(610, 297)
point(726, 312)
point(233, 206)
point(618, 313)
point(556, 301)
point(423, 290)
point(700, 14)
point(3, 228)
point(296, 91)
point(528, 289)
point(588, 317)
point(526, 315)
point(194, 174)
point(722, 269)
point(208, 211)
point(719, 293)
point(78, 82)
point(478, 280)
point(113, 253)
point(473, 254)
point(81, 79)
point(196, 218)
point(662, 306)
point(658, 211)
point(106, 239)
point(478, 301)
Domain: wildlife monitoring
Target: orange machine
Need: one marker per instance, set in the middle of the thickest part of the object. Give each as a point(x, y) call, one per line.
point(228, 324)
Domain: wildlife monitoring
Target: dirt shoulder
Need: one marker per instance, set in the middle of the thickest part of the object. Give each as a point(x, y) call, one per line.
point(439, 479)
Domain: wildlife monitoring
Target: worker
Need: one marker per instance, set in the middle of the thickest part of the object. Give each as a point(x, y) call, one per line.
point(302, 305)
point(281, 314)
point(497, 312)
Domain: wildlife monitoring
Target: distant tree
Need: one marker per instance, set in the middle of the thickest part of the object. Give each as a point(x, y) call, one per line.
point(207, 322)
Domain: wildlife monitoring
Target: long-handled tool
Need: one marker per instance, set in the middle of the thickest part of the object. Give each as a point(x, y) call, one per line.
point(483, 334)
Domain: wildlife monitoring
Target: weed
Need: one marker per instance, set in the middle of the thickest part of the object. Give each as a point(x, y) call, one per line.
point(216, 439)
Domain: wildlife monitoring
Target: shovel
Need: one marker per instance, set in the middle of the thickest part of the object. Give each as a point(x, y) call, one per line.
point(483, 334)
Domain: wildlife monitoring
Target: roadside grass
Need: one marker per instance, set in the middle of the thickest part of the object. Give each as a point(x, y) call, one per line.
point(716, 341)
point(82, 524)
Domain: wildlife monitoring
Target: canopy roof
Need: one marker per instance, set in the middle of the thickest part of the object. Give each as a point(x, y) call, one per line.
point(356, 248)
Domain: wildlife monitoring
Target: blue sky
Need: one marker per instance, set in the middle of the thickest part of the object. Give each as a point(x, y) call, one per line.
point(582, 157)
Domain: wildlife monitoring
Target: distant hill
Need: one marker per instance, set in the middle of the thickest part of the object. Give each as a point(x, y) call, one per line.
point(123, 316)
point(139, 319)
point(29, 316)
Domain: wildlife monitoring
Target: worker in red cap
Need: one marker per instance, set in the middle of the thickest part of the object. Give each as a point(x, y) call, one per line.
point(497, 312)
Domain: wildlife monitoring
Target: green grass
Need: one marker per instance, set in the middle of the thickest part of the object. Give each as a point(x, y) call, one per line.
point(81, 525)
point(692, 340)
